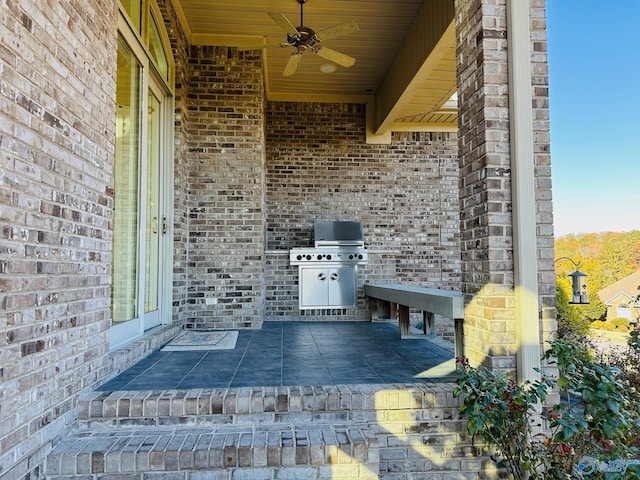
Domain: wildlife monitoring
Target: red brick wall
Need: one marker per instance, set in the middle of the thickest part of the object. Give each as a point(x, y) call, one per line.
point(405, 194)
point(57, 134)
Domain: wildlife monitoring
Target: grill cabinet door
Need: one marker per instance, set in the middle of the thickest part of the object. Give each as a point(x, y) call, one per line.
point(323, 287)
point(342, 287)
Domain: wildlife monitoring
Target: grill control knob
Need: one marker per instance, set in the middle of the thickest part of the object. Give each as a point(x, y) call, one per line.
point(320, 257)
point(308, 257)
point(360, 256)
point(328, 257)
point(351, 256)
point(299, 257)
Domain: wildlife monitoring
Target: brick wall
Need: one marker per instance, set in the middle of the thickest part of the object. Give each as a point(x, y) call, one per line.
point(226, 189)
point(542, 156)
point(485, 182)
point(405, 194)
point(180, 226)
point(238, 192)
point(57, 134)
point(485, 179)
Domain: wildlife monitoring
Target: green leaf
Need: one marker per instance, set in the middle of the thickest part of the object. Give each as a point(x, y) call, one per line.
point(613, 406)
point(563, 382)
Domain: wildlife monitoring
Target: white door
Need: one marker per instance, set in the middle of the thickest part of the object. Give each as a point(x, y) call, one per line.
point(155, 217)
point(140, 218)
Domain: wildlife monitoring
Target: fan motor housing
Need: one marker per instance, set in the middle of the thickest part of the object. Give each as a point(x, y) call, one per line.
point(307, 37)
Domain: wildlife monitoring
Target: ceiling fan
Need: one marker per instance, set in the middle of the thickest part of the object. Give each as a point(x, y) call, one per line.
point(304, 38)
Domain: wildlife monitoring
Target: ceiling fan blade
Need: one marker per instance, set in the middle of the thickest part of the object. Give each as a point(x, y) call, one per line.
point(338, 30)
point(292, 64)
point(284, 23)
point(334, 56)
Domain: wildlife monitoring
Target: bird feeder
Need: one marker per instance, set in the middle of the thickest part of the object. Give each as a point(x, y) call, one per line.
point(579, 288)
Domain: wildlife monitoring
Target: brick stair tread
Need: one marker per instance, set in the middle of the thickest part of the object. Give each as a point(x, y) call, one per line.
point(138, 450)
point(248, 400)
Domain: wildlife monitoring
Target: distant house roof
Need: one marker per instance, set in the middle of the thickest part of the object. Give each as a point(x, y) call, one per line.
point(628, 287)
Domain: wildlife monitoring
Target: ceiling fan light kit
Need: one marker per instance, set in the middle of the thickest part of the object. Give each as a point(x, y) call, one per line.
point(303, 38)
point(328, 68)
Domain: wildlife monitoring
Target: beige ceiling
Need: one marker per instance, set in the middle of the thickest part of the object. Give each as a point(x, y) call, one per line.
point(405, 67)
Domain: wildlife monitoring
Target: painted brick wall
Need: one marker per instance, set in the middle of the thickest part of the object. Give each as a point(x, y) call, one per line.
point(485, 179)
point(226, 189)
point(405, 194)
point(57, 134)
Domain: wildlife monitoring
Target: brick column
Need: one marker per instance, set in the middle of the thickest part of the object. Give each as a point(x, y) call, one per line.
point(487, 227)
point(226, 186)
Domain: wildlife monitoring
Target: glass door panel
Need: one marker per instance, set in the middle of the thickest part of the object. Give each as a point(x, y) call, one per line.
point(157, 48)
point(155, 224)
point(134, 11)
point(126, 205)
point(141, 172)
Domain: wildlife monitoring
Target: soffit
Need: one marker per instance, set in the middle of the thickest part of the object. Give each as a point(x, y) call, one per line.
point(382, 39)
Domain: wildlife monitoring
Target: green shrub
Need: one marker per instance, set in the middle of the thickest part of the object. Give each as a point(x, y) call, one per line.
point(500, 410)
point(571, 319)
point(600, 325)
point(598, 416)
point(634, 341)
point(628, 362)
point(620, 322)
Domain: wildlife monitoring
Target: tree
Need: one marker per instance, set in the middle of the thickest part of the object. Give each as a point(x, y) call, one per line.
point(571, 318)
point(605, 257)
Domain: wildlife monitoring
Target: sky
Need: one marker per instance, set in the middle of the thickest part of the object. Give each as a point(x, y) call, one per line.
point(594, 89)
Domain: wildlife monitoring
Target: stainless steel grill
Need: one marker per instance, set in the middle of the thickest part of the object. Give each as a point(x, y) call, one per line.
point(328, 272)
point(328, 233)
point(324, 256)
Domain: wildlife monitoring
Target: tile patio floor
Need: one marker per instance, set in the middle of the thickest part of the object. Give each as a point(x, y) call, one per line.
point(297, 353)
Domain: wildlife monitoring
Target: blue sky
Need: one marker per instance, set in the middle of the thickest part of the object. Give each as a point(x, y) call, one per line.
point(594, 88)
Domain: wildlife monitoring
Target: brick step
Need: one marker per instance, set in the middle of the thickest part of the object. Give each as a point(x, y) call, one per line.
point(316, 451)
point(261, 404)
point(417, 427)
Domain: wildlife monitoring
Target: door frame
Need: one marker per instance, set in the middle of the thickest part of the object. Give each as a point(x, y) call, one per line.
point(123, 333)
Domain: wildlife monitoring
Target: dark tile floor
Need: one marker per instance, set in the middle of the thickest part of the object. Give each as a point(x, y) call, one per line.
point(296, 353)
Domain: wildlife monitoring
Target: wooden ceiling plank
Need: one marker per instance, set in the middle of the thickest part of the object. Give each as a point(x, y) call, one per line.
point(425, 127)
point(410, 68)
point(383, 24)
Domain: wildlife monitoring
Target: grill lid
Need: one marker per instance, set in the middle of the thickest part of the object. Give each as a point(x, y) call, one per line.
point(333, 233)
